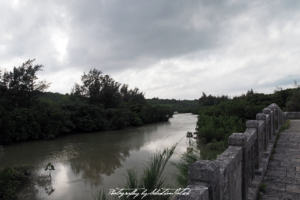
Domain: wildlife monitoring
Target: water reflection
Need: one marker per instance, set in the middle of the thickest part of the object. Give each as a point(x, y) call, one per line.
point(87, 162)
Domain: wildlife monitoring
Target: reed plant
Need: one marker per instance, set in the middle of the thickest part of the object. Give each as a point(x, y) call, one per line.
point(186, 159)
point(196, 151)
point(150, 180)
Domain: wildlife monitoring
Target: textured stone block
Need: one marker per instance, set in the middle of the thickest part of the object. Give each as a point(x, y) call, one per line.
point(272, 107)
point(261, 116)
point(197, 192)
point(206, 173)
point(237, 139)
point(204, 170)
point(271, 122)
point(261, 125)
point(230, 159)
point(252, 124)
point(293, 115)
point(267, 111)
point(275, 186)
point(231, 179)
point(276, 173)
point(293, 188)
point(251, 135)
point(268, 118)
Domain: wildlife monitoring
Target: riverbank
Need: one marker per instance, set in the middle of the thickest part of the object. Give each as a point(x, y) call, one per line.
point(47, 121)
point(27, 112)
point(85, 163)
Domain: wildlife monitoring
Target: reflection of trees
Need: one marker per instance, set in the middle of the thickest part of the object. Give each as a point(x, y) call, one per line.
point(29, 190)
point(90, 166)
point(104, 152)
point(90, 155)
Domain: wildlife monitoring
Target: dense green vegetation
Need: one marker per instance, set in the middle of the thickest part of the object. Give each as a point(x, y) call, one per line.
point(27, 112)
point(294, 103)
point(189, 106)
point(12, 179)
point(219, 117)
point(181, 106)
point(218, 121)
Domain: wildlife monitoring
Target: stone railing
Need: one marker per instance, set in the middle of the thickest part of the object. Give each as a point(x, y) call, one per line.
point(293, 115)
point(237, 173)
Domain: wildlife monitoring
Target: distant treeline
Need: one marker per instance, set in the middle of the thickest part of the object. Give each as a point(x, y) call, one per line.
point(281, 97)
point(181, 106)
point(99, 103)
point(220, 116)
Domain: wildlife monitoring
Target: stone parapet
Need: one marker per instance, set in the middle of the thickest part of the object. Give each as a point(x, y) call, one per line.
point(293, 115)
point(239, 170)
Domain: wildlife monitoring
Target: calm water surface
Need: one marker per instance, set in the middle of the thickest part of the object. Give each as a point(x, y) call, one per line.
point(87, 162)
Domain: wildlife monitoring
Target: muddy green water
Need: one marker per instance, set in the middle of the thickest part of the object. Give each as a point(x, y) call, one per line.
point(87, 162)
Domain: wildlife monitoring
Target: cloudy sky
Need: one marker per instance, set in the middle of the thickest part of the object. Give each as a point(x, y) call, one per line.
point(168, 49)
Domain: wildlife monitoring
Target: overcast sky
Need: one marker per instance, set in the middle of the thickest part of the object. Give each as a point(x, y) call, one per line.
point(168, 49)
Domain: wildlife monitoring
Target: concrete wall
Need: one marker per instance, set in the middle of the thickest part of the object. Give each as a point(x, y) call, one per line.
point(293, 115)
point(239, 170)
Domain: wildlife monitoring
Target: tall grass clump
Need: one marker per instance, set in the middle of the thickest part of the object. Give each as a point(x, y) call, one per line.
point(196, 151)
point(186, 159)
point(150, 179)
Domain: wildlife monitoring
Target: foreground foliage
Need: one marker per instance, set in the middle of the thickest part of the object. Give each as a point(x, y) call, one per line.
point(150, 179)
point(196, 151)
point(11, 181)
point(186, 159)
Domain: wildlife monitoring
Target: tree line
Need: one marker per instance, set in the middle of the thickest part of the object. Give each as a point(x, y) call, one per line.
point(181, 106)
point(99, 103)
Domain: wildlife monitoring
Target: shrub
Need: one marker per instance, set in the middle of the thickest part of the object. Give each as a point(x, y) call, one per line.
point(11, 181)
point(294, 103)
point(218, 128)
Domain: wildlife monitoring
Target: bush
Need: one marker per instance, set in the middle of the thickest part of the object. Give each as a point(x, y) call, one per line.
point(218, 128)
point(11, 181)
point(294, 103)
point(134, 119)
point(186, 159)
point(217, 146)
point(151, 178)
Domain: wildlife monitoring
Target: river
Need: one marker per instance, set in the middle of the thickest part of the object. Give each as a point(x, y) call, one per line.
point(87, 162)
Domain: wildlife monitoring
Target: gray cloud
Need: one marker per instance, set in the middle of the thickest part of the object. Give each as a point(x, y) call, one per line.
point(166, 48)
